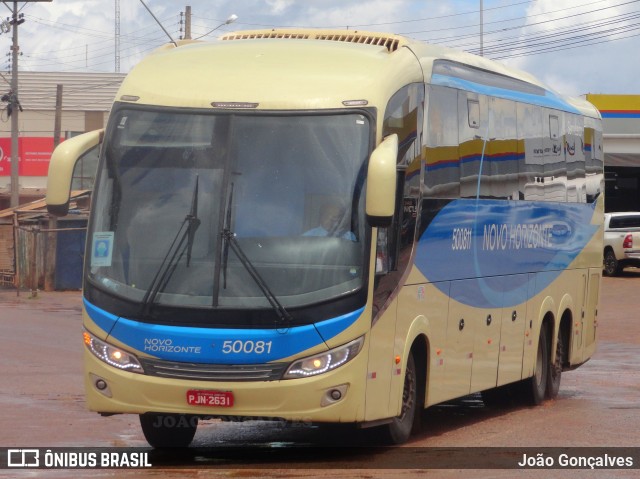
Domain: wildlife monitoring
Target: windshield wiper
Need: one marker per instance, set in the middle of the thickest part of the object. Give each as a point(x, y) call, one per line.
point(229, 239)
point(184, 240)
point(226, 229)
point(193, 222)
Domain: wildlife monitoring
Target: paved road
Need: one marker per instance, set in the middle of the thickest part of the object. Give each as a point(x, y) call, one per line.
point(41, 401)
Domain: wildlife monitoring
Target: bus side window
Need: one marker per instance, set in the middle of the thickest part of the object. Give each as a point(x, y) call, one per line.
point(554, 180)
point(575, 155)
point(473, 107)
point(382, 252)
point(85, 170)
point(442, 157)
point(532, 150)
point(403, 116)
point(501, 163)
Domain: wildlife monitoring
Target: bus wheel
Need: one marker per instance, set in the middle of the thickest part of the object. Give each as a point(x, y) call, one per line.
point(555, 370)
point(168, 430)
point(535, 387)
point(399, 430)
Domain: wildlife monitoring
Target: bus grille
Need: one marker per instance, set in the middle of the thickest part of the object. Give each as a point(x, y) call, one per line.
point(213, 372)
point(389, 41)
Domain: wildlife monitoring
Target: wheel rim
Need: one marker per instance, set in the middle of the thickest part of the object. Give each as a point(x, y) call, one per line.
point(609, 264)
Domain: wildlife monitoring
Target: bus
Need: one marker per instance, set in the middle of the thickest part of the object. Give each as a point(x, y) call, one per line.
point(333, 227)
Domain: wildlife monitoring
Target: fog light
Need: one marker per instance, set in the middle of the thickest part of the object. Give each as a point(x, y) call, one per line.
point(334, 394)
point(101, 385)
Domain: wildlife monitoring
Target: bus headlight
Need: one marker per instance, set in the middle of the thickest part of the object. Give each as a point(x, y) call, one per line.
point(111, 355)
point(327, 361)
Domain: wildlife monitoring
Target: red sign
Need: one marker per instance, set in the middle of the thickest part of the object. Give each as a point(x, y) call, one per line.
point(35, 153)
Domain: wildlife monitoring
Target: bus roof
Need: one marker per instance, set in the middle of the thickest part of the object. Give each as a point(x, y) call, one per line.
point(272, 73)
point(301, 69)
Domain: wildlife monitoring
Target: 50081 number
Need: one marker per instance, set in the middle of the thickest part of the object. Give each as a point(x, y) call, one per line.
point(246, 347)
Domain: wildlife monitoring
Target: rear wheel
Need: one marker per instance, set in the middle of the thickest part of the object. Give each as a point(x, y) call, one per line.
point(611, 266)
point(535, 387)
point(168, 430)
point(555, 370)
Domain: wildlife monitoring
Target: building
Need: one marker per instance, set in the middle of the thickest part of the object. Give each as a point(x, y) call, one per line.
point(29, 257)
point(86, 102)
point(621, 143)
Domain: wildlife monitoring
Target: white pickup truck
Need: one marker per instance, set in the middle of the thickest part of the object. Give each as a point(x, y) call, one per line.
point(621, 242)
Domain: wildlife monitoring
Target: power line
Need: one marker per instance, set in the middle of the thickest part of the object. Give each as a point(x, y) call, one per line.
point(146, 39)
point(563, 35)
point(545, 14)
point(135, 47)
point(362, 25)
point(556, 31)
point(565, 46)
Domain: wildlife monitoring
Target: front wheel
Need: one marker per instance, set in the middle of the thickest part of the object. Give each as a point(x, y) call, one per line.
point(400, 428)
point(168, 430)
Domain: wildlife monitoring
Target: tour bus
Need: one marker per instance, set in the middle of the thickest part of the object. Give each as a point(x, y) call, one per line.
point(333, 227)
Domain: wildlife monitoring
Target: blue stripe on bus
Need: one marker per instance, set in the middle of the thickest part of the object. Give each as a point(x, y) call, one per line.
point(620, 114)
point(207, 345)
point(483, 242)
point(456, 162)
point(549, 100)
point(493, 158)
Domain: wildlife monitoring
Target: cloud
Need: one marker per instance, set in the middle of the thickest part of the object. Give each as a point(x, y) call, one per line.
point(576, 47)
point(278, 7)
point(79, 35)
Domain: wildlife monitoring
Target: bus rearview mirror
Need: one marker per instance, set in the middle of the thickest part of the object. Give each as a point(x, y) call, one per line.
point(63, 161)
point(381, 183)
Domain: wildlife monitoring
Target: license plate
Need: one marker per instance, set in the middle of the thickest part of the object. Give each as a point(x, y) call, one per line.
point(210, 398)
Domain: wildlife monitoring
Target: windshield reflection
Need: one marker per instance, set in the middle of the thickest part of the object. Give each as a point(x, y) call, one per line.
point(290, 175)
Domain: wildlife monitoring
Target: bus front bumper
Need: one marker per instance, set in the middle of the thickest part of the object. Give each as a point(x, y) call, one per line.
point(335, 396)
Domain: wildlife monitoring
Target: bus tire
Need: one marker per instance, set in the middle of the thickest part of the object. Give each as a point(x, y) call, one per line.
point(535, 387)
point(555, 370)
point(168, 430)
point(400, 428)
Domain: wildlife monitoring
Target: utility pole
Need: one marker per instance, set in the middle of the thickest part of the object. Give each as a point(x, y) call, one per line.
point(57, 122)
point(14, 102)
point(481, 29)
point(51, 237)
point(14, 105)
point(185, 19)
point(187, 23)
point(117, 35)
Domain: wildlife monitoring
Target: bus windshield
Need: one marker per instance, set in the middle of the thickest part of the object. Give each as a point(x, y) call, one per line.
point(176, 188)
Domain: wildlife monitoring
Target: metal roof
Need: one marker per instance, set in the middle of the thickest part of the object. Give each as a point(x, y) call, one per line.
point(81, 91)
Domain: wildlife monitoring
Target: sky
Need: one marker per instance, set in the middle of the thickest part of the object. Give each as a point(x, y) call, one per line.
point(574, 46)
